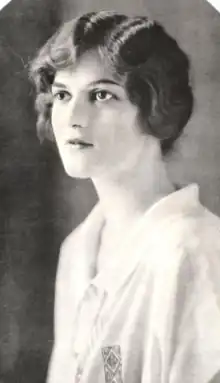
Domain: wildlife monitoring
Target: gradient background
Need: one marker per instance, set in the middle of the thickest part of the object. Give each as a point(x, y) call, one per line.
point(39, 204)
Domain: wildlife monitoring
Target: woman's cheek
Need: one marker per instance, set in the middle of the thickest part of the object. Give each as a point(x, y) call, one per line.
point(57, 118)
point(54, 117)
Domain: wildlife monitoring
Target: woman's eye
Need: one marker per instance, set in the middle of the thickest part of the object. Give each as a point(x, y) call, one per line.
point(62, 95)
point(101, 96)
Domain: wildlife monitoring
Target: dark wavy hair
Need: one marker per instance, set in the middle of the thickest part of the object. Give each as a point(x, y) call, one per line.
point(154, 68)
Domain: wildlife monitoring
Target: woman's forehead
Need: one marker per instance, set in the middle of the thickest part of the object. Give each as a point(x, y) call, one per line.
point(88, 68)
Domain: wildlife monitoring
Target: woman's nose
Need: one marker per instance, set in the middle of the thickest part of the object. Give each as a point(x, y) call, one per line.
point(79, 113)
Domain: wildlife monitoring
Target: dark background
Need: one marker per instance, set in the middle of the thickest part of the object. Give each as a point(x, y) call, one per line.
point(39, 204)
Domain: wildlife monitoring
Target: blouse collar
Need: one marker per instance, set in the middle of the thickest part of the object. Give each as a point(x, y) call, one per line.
point(178, 203)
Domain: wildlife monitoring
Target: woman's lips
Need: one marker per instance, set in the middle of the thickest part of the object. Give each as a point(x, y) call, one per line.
point(79, 143)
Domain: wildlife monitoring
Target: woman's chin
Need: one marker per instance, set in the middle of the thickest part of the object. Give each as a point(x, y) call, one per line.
point(73, 173)
point(78, 171)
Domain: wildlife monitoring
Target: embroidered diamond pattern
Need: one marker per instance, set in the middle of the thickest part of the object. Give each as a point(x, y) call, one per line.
point(113, 361)
point(105, 352)
point(112, 364)
point(108, 375)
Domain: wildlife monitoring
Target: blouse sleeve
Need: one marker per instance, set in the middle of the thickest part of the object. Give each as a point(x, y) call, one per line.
point(62, 308)
point(195, 351)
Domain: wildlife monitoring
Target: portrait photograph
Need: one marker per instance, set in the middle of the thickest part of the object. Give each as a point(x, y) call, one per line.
point(109, 191)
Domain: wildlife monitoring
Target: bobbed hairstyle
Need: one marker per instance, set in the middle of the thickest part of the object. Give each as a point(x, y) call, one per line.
point(154, 68)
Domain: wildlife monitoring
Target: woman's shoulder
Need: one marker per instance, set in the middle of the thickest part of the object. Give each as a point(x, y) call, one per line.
point(66, 256)
point(80, 238)
point(70, 241)
point(191, 239)
point(205, 231)
point(192, 225)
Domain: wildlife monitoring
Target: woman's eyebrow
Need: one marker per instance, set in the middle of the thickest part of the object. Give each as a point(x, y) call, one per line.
point(93, 83)
point(59, 85)
point(104, 81)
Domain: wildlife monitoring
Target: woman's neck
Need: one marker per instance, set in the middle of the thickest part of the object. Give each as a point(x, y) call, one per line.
point(126, 195)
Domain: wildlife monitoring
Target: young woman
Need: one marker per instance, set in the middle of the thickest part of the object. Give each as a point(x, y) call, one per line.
point(138, 282)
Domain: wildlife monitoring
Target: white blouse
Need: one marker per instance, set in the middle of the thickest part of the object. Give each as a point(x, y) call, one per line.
point(153, 315)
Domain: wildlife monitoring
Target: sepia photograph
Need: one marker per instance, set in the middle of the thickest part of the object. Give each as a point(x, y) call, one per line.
point(109, 191)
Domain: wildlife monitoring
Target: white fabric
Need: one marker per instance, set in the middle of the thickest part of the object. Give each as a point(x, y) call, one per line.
point(215, 4)
point(158, 304)
point(3, 3)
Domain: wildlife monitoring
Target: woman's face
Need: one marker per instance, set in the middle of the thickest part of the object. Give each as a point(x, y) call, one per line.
point(94, 123)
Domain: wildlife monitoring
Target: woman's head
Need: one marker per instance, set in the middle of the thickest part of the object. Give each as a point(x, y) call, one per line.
point(137, 53)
